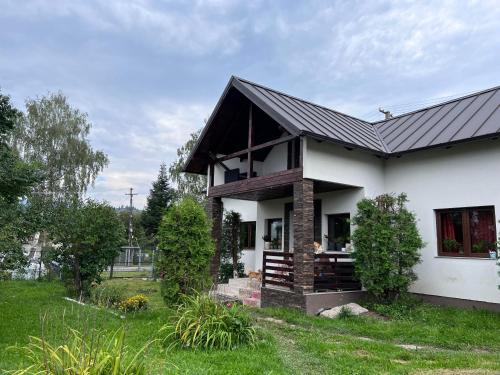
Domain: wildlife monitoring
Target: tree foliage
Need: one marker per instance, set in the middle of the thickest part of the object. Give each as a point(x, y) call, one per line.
point(55, 135)
point(185, 249)
point(386, 246)
point(88, 236)
point(231, 247)
point(159, 200)
point(187, 184)
point(16, 180)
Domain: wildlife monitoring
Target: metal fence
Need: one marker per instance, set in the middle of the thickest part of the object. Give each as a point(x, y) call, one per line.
point(132, 262)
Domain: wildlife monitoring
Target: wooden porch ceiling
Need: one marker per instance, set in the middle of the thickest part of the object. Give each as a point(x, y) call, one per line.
point(273, 186)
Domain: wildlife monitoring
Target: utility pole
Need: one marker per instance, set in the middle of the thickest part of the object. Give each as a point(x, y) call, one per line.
point(130, 227)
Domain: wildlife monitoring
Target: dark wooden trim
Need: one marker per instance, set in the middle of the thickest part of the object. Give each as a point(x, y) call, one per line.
point(281, 262)
point(212, 174)
point(251, 233)
point(286, 226)
point(278, 254)
point(261, 146)
point(318, 218)
point(467, 246)
point(250, 142)
point(282, 178)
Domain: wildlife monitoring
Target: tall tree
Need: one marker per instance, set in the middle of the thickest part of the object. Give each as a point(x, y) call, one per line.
point(187, 184)
point(159, 200)
point(16, 179)
point(55, 135)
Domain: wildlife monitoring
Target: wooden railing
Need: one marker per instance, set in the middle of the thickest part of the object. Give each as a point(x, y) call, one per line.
point(277, 269)
point(332, 271)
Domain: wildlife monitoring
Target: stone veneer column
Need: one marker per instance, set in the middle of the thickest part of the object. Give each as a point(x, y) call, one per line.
point(214, 209)
point(303, 234)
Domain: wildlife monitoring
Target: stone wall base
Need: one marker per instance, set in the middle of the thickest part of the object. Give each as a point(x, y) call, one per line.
point(271, 297)
point(309, 303)
point(458, 302)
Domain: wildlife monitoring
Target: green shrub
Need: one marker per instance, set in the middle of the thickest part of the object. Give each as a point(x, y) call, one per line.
point(185, 250)
point(95, 353)
point(200, 322)
point(106, 295)
point(135, 303)
point(386, 246)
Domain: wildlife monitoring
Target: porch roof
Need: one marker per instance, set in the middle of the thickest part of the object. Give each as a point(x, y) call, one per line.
point(273, 186)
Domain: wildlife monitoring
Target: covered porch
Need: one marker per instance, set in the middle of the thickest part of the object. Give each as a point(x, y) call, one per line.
point(294, 274)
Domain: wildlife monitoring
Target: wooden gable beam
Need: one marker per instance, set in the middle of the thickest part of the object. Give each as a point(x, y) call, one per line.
point(272, 143)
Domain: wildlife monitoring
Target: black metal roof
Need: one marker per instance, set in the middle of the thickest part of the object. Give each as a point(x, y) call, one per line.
point(466, 118)
point(307, 117)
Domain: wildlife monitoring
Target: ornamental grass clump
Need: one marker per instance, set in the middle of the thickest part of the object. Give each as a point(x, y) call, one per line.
point(135, 303)
point(91, 353)
point(104, 295)
point(202, 323)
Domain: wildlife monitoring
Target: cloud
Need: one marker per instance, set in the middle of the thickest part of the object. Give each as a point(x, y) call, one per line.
point(149, 72)
point(149, 135)
point(187, 29)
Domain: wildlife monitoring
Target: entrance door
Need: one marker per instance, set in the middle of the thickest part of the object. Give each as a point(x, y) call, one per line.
point(339, 231)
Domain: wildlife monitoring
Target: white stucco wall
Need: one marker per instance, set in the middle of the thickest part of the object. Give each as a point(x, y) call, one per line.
point(276, 160)
point(464, 176)
point(327, 162)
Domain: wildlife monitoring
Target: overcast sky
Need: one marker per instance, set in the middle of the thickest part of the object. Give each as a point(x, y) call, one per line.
point(149, 72)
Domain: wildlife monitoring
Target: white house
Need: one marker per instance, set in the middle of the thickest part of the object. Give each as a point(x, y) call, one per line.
point(295, 171)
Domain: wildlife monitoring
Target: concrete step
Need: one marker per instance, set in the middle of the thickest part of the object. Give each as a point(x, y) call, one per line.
point(256, 294)
point(241, 282)
point(251, 302)
point(228, 290)
point(245, 292)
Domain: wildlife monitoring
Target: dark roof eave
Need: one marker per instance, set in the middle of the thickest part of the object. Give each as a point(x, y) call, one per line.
point(345, 144)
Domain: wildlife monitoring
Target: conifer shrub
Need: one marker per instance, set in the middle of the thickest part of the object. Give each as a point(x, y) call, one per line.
point(386, 246)
point(185, 250)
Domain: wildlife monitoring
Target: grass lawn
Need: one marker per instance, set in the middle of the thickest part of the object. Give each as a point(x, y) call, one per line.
point(290, 343)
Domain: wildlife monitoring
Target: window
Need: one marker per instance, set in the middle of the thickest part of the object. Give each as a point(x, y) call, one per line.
point(274, 230)
point(247, 235)
point(339, 231)
point(466, 232)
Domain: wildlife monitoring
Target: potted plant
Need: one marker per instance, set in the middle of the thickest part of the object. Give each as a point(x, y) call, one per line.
point(339, 243)
point(451, 246)
point(267, 241)
point(484, 246)
point(275, 244)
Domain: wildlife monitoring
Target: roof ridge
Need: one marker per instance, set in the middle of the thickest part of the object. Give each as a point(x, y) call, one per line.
point(476, 93)
point(300, 99)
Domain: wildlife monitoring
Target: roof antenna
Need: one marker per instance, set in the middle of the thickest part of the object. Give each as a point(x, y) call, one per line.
point(387, 114)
